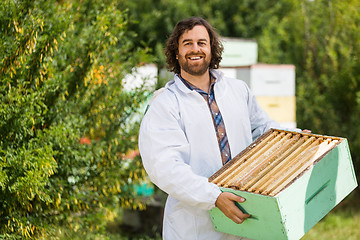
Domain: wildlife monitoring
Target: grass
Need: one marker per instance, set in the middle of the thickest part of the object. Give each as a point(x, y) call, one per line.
point(342, 223)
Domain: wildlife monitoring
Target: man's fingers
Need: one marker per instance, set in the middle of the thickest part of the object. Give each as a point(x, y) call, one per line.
point(240, 214)
point(237, 215)
point(245, 215)
point(226, 203)
point(236, 198)
point(238, 220)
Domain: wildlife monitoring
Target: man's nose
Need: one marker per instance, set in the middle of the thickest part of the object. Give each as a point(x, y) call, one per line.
point(196, 47)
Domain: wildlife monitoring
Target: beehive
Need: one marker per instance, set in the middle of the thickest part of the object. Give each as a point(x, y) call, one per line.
point(280, 108)
point(290, 181)
point(274, 88)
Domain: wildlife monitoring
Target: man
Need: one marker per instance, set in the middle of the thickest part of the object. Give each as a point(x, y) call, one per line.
point(193, 127)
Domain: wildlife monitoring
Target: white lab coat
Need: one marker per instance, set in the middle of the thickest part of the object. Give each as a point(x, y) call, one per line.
point(179, 150)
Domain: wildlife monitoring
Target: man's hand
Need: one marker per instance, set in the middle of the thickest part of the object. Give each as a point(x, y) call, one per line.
point(226, 203)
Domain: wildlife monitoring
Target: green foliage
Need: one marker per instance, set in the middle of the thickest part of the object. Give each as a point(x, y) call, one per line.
point(322, 39)
point(153, 21)
point(66, 123)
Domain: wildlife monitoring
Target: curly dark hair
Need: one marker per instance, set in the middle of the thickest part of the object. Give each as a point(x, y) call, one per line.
point(172, 44)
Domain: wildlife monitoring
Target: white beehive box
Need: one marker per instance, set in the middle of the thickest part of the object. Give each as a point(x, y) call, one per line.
point(274, 88)
point(269, 79)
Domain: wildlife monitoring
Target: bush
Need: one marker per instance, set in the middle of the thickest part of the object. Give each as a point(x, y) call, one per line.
point(66, 123)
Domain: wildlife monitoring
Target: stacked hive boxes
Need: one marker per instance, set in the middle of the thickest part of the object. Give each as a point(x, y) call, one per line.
point(272, 84)
point(274, 88)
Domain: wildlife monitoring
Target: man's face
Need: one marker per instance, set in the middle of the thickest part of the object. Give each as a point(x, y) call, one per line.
point(194, 54)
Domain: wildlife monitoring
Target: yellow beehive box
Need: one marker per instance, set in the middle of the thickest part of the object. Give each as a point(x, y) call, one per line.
point(279, 108)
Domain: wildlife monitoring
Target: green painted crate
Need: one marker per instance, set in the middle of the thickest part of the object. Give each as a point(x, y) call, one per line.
point(299, 206)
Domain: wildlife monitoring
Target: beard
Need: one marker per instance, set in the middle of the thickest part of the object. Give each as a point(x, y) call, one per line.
point(196, 69)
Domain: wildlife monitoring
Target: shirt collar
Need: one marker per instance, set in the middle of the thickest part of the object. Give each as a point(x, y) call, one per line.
point(192, 87)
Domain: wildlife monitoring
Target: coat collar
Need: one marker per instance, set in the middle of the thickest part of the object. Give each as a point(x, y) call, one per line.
point(182, 87)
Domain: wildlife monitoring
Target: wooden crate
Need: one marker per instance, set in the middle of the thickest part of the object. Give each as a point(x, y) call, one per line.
point(290, 182)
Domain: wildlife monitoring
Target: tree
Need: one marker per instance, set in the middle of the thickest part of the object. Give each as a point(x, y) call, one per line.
point(66, 122)
point(322, 39)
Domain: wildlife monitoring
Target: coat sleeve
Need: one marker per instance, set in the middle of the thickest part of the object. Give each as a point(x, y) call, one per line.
point(165, 153)
point(259, 119)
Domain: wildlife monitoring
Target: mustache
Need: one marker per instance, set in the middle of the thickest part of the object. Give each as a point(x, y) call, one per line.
point(199, 53)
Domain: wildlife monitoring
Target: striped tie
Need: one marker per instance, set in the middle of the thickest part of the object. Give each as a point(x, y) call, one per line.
point(220, 127)
point(217, 118)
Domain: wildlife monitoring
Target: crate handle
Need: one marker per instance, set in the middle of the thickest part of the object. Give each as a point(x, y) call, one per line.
point(317, 192)
point(273, 105)
point(244, 211)
point(273, 81)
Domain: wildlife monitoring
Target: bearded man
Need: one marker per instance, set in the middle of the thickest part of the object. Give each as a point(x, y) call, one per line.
point(193, 127)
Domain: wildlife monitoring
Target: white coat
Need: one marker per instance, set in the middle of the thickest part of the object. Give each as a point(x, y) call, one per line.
point(180, 151)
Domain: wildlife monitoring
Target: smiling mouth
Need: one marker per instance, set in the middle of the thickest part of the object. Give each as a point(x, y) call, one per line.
point(195, 58)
